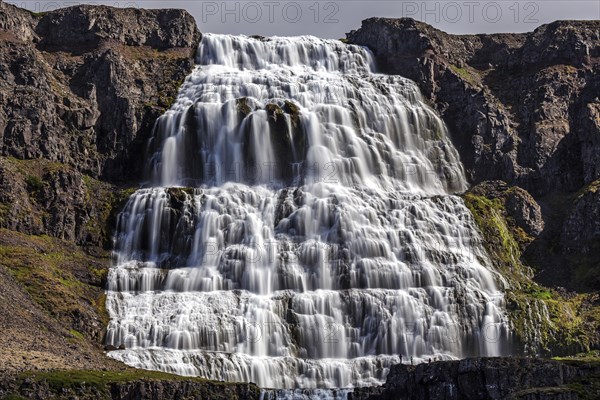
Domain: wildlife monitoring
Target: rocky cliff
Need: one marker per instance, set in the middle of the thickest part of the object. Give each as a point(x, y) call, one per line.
point(523, 109)
point(83, 85)
point(80, 89)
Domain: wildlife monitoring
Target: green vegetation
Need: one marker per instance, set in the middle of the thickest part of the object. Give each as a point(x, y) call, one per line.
point(71, 378)
point(34, 183)
point(543, 319)
point(107, 202)
point(180, 194)
point(77, 335)
point(37, 14)
point(46, 268)
point(292, 109)
point(467, 73)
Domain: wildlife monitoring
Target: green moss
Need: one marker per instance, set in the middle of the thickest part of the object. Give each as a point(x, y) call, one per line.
point(490, 218)
point(77, 335)
point(180, 194)
point(344, 40)
point(13, 397)
point(34, 183)
point(100, 304)
point(70, 378)
point(273, 110)
point(542, 318)
point(100, 382)
point(45, 267)
point(107, 204)
point(37, 14)
point(165, 101)
point(242, 106)
point(588, 189)
point(468, 74)
point(294, 111)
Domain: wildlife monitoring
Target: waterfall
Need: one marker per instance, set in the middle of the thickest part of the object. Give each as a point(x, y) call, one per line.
point(300, 227)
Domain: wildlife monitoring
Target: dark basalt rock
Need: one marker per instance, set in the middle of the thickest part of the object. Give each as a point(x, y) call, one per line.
point(108, 387)
point(486, 378)
point(83, 85)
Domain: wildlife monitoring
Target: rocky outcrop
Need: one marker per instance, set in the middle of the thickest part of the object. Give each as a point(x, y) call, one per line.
point(521, 208)
point(84, 85)
point(489, 378)
point(526, 102)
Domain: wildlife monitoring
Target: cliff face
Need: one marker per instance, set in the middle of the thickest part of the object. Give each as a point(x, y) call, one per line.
point(80, 89)
point(521, 108)
point(83, 85)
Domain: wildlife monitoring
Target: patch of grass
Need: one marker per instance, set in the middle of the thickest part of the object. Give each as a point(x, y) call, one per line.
point(34, 183)
point(12, 396)
point(467, 74)
point(46, 268)
point(76, 334)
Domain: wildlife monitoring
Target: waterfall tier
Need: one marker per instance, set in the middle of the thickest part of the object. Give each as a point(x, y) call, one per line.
point(301, 229)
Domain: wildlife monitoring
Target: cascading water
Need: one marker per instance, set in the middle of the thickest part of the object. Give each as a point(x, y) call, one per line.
point(300, 231)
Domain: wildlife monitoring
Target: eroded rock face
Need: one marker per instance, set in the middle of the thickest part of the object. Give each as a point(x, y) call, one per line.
point(75, 28)
point(520, 107)
point(84, 85)
point(580, 236)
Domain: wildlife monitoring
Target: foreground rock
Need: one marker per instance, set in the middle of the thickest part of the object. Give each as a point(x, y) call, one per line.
point(120, 385)
point(489, 378)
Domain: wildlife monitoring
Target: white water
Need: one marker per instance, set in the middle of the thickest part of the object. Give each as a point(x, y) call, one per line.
point(320, 240)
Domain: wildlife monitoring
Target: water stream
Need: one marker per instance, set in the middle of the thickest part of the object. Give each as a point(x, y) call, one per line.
point(299, 228)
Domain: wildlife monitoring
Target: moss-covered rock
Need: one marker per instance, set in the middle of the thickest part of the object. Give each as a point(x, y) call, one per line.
point(545, 320)
point(121, 384)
